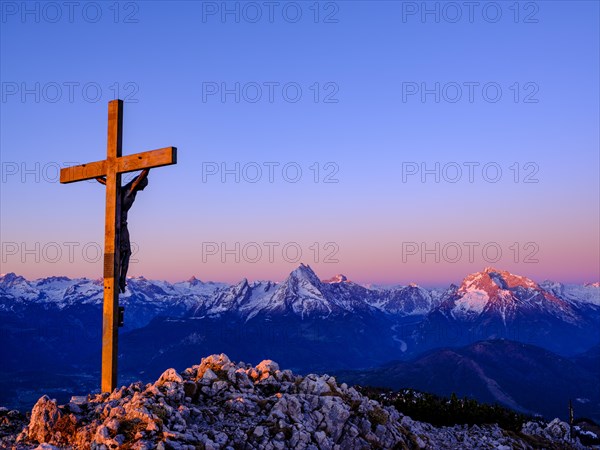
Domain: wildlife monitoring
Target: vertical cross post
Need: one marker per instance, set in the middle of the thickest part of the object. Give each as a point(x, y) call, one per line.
point(110, 319)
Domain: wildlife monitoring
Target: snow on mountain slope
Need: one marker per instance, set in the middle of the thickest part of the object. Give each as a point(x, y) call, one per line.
point(16, 286)
point(339, 278)
point(588, 293)
point(494, 304)
point(53, 287)
point(246, 298)
point(302, 293)
point(81, 292)
point(503, 294)
point(488, 293)
point(194, 286)
point(305, 295)
point(407, 300)
point(63, 292)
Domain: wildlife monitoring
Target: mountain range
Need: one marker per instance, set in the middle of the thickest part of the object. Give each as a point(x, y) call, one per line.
point(483, 296)
point(304, 322)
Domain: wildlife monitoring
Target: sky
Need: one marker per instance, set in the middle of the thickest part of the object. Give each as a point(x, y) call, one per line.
point(393, 142)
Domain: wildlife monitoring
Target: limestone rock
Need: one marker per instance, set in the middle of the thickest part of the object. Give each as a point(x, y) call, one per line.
point(44, 417)
point(219, 404)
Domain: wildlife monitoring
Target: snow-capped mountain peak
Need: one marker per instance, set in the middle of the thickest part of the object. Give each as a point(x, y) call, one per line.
point(193, 281)
point(12, 281)
point(492, 280)
point(503, 294)
point(18, 287)
point(302, 293)
point(305, 273)
point(339, 278)
point(582, 295)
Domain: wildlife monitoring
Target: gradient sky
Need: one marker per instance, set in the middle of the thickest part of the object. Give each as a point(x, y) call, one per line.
point(175, 51)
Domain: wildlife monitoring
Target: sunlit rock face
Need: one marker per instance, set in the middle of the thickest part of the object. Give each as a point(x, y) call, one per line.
point(220, 404)
point(494, 304)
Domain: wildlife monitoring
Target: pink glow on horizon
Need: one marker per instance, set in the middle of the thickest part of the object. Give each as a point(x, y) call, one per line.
point(421, 274)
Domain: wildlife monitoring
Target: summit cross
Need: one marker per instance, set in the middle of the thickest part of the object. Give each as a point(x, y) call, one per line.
point(111, 169)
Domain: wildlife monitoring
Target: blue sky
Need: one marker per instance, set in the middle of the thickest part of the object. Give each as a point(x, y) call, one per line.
point(365, 132)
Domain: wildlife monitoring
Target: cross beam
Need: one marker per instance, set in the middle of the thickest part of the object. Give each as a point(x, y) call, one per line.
point(112, 167)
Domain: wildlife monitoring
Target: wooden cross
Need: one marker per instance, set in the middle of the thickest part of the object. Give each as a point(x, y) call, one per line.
point(112, 167)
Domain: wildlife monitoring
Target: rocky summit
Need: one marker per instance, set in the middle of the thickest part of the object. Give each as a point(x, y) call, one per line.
point(219, 404)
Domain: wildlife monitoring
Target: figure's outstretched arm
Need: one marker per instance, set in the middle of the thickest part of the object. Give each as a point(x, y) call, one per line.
point(101, 180)
point(139, 179)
